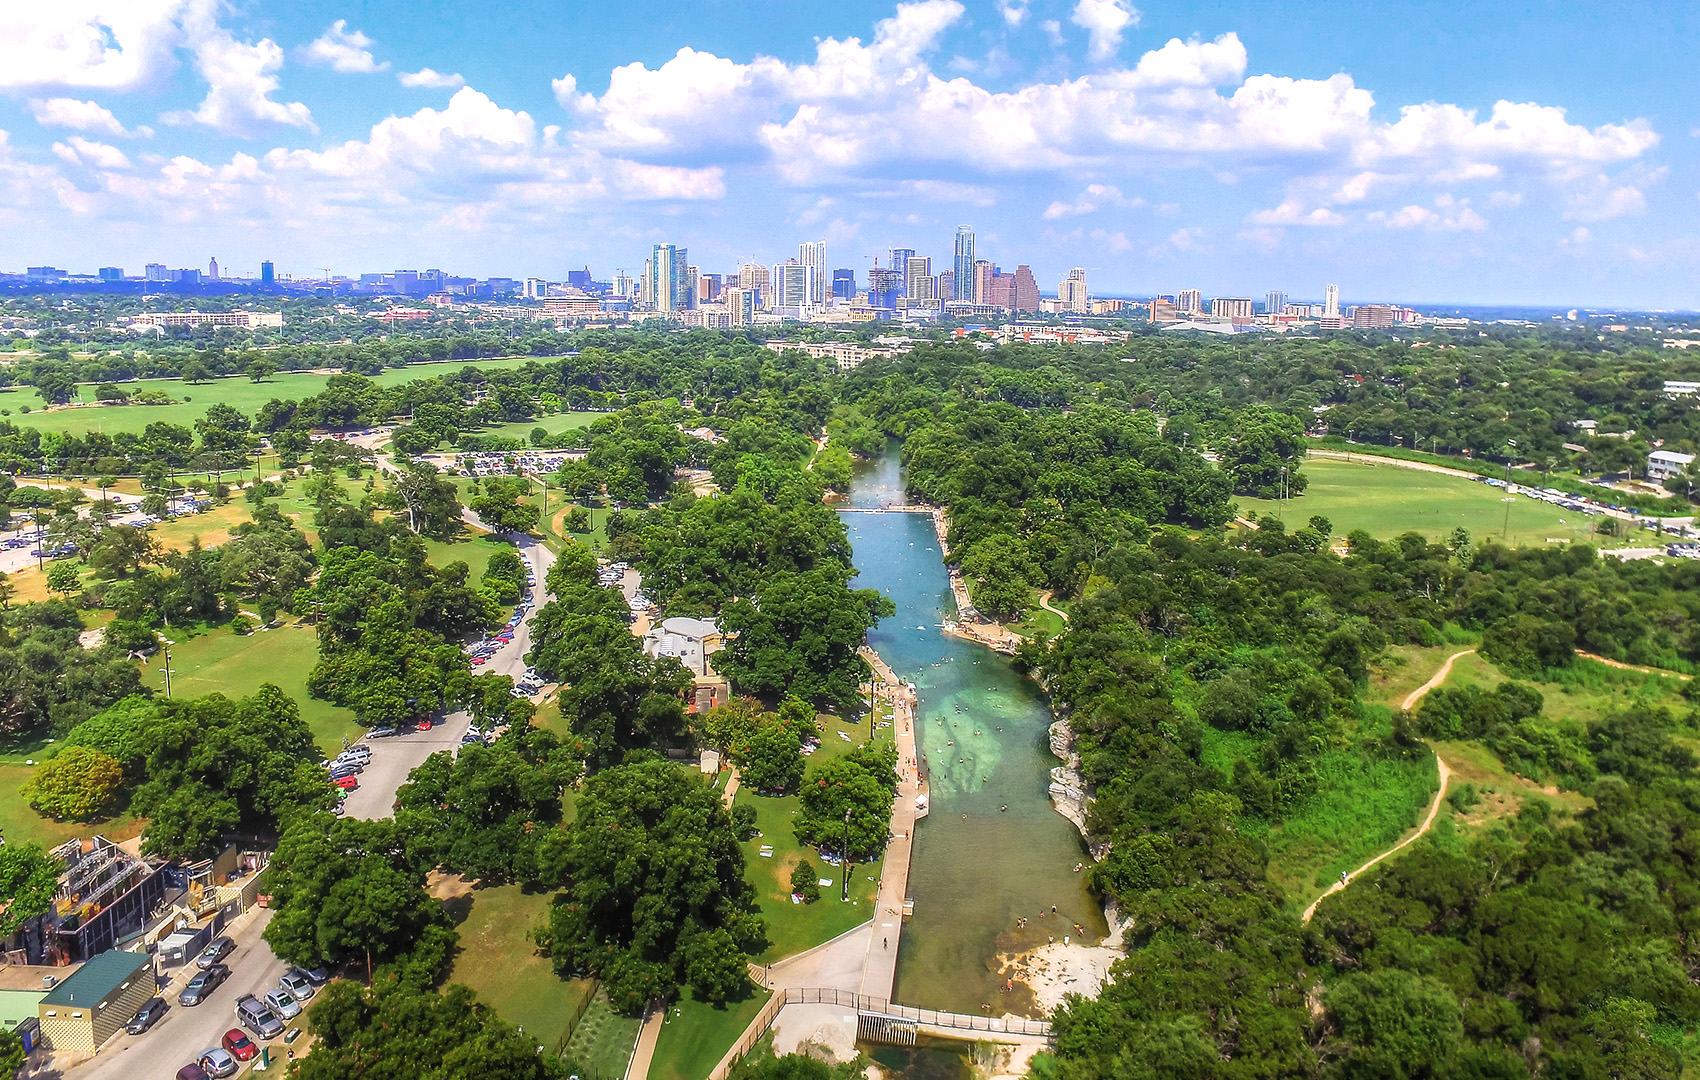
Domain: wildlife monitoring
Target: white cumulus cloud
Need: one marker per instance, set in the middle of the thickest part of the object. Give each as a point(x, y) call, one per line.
point(427, 79)
point(241, 78)
point(1104, 22)
point(344, 50)
point(82, 116)
point(1091, 199)
point(110, 44)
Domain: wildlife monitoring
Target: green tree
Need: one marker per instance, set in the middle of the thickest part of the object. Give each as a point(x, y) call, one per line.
point(75, 783)
point(398, 1030)
point(62, 577)
point(805, 881)
point(29, 878)
point(862, 783)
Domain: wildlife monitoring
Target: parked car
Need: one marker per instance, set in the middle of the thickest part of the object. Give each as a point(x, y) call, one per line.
point(218, 1063)
point(146, 1016)
point(256, 1017)
point(381, 733)
point(317, 976)
point(219, 949)
point(283, 1003)
point(239, 1045)
point(295, 980)
point(203, 984)
point(339, 772)
point(346, 783)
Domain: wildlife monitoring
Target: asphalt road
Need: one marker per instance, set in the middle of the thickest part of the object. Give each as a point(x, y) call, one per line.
point(393, 759)
point(178, 1039)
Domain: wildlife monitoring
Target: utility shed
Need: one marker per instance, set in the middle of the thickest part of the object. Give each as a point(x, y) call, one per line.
point(94, 1003)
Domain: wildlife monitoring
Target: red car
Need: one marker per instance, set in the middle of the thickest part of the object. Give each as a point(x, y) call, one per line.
point(346, 783)
point(424, 725)
point(241, 1047)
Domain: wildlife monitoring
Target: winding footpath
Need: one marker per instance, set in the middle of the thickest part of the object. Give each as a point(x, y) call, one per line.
point(1410, 702)
point(1045, 602)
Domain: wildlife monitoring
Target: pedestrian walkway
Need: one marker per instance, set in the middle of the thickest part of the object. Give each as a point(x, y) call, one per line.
point(879, 974)
point(648, 1036)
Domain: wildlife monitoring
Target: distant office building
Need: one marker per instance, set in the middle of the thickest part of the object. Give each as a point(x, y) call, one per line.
point(708, 288)
point(900, 261)
point(1000, 291)
point(945, 287)
point(813, 257)
point(1275, 303)
point(844, 284)
point(693, 274)
point(112, 273)
point(1232, 307)
point(962, 273)
point(1163, 310)
point(186, 277)
point(249, 320)
point(156, 272)
point(666, 287)
point(536, 288)
point(741, 305)
point(1071, 292)
point(1373, 316)
point(1189, 301)
point(1026, 289)
point(790, 285)
point(44, 273)
point(267, 274)
point(983, 274)
point(579, 279)
point(1331, 300)
point(212, 268)
point(918, 278)
point(885, 287)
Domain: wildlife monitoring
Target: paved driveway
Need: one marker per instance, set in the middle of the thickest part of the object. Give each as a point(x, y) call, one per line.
point(183, 1033)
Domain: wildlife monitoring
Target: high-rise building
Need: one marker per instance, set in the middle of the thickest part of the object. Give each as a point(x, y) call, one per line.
point(945, 287)
point(983, 274)
point(1026, 289)
point(535, 288)
point(1231, 307)
point(708, 288)
point(790, 285)
point(1189, 300)
point(1071, 291)
point(900, 261)
point(813, 257)
point(579, 279)
point(885, 285)
point(1275, 303)
point(212, 268)
point(268, 275)
point(156, 272)
point(844, 284)
point(918, 278)
point(962, 273)
point(666, 285)
point(1001, 291)
point(1373, 316)
point(740, 304)
point(692, 273)
point(112, 273)
point(1331, 300)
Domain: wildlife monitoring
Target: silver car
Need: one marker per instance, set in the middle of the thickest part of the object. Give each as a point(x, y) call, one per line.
point(283, 1003)
point(296, 983)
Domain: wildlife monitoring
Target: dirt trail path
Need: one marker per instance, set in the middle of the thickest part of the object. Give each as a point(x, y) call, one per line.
point(1416, 695)
point(1428, 822)
point(1411, 700)
point(1045, 602)
point(1621, 666)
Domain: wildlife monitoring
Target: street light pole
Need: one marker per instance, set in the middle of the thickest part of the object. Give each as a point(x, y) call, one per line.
point(1510, 444)
point(844, 893)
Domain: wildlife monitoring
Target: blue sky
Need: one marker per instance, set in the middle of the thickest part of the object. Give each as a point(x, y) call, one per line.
point(1534, 153)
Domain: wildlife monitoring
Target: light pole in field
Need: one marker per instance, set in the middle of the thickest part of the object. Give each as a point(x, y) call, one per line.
point(1510, 445)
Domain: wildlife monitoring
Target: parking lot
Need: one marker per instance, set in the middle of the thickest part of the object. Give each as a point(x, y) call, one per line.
point(180, 1036)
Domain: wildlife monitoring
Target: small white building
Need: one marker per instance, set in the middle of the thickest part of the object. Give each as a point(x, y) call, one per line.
point(690, 641)
point(1664, 464)
point(1678, 388)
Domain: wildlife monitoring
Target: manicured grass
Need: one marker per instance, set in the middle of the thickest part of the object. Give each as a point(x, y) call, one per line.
point(20, 824)
point(235, 665)
point(238, 391)
point(498, 961)
point(696, 1036)
point(475, 552)
point(554, 424)
point(603, 1041)
point(1386, 500)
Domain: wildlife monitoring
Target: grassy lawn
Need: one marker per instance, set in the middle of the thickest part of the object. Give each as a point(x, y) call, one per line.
point(235, 665)
point(238, 391)
point(792, 928)
point(696, 1036)
point(475, 552)
point(554, 424)
point(498, 962)
point(603, 1041)
point(1387, 500)
point(20, 824)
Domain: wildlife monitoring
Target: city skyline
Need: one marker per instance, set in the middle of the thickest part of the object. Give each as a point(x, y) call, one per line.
point(1274, 151)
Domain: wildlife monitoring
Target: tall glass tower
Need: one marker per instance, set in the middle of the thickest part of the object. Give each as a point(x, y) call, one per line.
point(964, 263)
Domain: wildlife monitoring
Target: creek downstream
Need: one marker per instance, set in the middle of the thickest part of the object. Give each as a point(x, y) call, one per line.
point(983, 730)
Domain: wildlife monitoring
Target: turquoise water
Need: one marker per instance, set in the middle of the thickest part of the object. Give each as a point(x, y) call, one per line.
point(983, 731)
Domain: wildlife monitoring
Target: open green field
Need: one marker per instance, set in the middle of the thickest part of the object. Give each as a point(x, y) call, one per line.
point(554, 424)
point(696, 1036)
point(792, 928)
point(238, 391)
point(1386, 500)
point(602, 1043)
point(498, 961)
point(235, 665)
point(475, 552)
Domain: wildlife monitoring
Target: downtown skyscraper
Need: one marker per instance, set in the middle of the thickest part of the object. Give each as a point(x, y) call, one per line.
point(813, 257)
point(964, 264)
